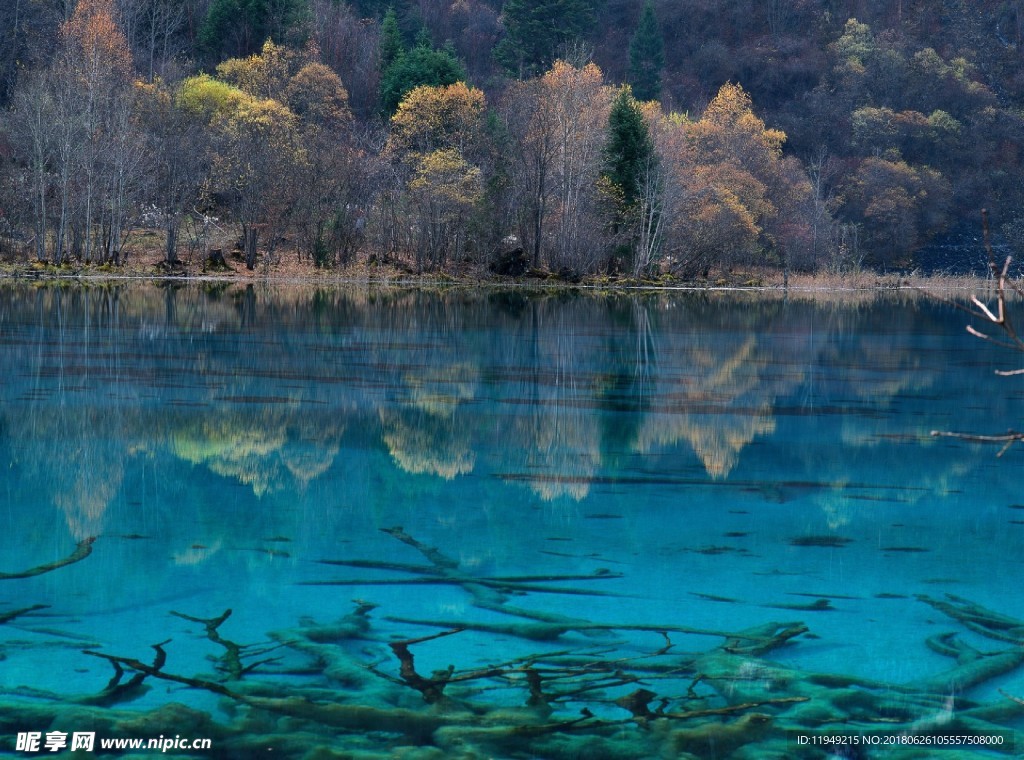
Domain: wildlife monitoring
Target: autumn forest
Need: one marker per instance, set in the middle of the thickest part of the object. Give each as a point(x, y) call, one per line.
point(640, 138)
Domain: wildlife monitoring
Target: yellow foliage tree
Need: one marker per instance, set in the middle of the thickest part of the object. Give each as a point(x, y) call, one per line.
point(723, 172)
point(435, 140)
point(210, 98)
point(257, 157)
point(444, 189)
point(310, 89)
point(437, 118)
point(729, 131)
point(263, 75)
point(723, 207)
point(317, 96)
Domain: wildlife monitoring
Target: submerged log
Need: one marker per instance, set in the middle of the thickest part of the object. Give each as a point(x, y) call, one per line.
point(581, 701)
point(7, 617)
point(82, 550)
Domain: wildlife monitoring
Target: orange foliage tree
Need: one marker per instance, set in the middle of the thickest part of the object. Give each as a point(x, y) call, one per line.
point(731, 197)
point(557, 123)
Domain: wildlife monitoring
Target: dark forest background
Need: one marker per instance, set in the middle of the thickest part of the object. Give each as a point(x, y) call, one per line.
point(808, 134)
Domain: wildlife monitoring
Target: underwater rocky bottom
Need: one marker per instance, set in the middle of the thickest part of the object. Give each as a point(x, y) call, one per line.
point(352, 688)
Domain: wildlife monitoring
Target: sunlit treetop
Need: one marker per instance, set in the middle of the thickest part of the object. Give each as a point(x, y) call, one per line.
point(264, 74)
point(729, 130)
point(94, 40)
point(432, 118)
point(311, 90)
point(209, 97)
point(318, 97)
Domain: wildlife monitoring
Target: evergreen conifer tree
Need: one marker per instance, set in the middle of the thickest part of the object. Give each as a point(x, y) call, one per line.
point(536, 30)
point(423, 65)
point(629, 153)
point(646, 56)
point(391, 45)
point(237, 28)
point(631, 182)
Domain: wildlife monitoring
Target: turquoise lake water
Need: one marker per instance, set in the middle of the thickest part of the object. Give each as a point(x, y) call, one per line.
point(602, 496)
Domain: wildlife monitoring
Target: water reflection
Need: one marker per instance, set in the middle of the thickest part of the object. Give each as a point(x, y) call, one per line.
point(268, 449)
point(263, 387)
point(708, 461)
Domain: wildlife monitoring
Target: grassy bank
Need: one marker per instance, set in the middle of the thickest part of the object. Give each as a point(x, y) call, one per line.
point(289, 268)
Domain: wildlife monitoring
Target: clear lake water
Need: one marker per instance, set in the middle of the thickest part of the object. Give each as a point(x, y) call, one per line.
point(591, 496)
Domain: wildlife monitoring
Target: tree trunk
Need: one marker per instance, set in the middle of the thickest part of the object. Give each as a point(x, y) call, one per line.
point(250, 235)
point(171, 249)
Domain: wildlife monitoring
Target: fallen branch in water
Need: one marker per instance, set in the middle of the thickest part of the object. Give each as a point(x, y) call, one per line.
point(7, 617)
point(115, 691)
point(155, 671)
point(231, 661)
point(431, 688)
point(593, 700)
point(543, 631)
point(497, 584)
point(1007, 439)
point(82, 550)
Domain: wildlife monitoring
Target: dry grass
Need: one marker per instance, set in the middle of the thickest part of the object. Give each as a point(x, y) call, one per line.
point(144, 257)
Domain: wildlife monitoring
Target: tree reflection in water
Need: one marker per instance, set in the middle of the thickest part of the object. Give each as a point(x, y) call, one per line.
point(564, 466)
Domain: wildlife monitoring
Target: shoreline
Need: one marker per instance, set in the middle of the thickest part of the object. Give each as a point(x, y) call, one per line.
point(362, 275)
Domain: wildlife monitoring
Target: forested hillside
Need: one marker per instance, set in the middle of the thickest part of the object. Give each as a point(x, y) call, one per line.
point(799, 134)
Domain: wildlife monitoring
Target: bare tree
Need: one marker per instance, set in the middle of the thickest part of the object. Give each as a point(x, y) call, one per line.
point(650, 216)
point(582, 112)
point(349, 45)
point(1004, 334)
point(177, 158)
point(333, 198)
point(155, 30)
point(557, 124)
point(34, 129)
point(121, 170)
point(67, 148)
point(532, 125)
point(822, 204)
point(99, 145)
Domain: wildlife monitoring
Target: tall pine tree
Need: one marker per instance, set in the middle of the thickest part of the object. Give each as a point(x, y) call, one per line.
point(646, 56)
point(391, 45)
point(423, 65)
point(631, 181)
point(537, 31)
point(629, 153)
point(237, 28)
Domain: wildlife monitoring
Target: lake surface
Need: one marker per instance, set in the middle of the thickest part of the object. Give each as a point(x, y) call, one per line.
point(668, 525)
